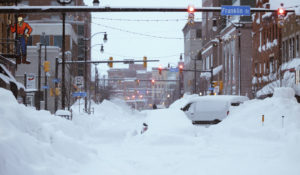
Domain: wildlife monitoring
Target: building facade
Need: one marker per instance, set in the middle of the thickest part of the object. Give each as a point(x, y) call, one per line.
point(192, 45)
point(225, 51)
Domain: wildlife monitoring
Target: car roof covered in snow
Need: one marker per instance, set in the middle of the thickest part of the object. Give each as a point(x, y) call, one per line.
point(229, 98)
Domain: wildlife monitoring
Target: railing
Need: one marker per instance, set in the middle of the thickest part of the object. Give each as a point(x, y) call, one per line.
point(8, 48)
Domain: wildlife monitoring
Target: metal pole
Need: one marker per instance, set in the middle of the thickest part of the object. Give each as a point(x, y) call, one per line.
point(211, 77)
point(195, 74)
point(180, 79)
point(85, 75)
point(46, 81)
point(240, 61)
point(39, 78)
point(25, 84)
point(63, 94)
point(56, 84)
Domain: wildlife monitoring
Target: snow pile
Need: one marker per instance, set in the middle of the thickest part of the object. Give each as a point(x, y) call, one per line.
point(284, 93)
point(34, 142)
point(109, 141)
point(183, 101)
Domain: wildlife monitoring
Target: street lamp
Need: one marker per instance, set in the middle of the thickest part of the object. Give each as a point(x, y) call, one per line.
point(63, 94)
point(96, 3)
point(64, 2)
point(85, 60)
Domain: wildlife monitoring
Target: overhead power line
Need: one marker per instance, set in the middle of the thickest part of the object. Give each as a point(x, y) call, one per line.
point(154, 57)
point(136, 33)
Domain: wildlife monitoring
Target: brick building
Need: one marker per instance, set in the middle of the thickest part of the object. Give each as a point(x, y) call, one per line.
point(8, 55)
point(266, 47)
point(223, 52)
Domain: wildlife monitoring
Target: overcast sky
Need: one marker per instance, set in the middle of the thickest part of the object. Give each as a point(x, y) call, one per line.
point(124, 45)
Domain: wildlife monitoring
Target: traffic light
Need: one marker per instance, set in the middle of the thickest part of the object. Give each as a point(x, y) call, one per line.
point(159, 70)
point(110, 64)
point(214, 84)
point(137, 82)
point(145, 62)
point(180, 69)
point(153, 82)
point(191, 9)
point(281, 11)
point(221, 85)
point(51, 92)
point(57, 91)
point(47, 66)
point(191, 16)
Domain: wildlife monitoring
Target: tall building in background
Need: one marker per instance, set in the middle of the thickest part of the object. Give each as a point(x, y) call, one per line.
point(133, 84)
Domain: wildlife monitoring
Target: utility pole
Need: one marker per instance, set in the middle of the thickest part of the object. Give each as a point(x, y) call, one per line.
point(211, 76)
point(46, 78)
point(85, 74)
point(240, 70)
point(63, 94)
point(38, 107)
point(56, 84)
point(195, 74)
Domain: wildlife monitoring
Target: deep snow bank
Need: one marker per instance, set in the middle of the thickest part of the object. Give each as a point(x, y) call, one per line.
point(38, 143)
point(34, 142)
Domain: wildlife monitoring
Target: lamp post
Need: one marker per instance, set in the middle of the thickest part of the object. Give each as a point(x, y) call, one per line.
point(63, 94)
point(85, 60)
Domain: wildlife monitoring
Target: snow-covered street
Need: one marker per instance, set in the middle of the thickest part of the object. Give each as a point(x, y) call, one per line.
point(109, 141)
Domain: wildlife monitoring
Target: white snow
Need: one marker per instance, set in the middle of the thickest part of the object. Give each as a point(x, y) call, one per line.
point(109, 142)
point(10, 78)
point(288, 79)
point(62, 112)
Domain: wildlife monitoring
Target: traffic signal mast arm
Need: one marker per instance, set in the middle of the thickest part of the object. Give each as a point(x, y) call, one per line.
point(118, 79)
point(65, 9)
point(117, 61)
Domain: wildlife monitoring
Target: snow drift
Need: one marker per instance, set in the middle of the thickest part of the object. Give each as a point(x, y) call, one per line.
point(38, 143)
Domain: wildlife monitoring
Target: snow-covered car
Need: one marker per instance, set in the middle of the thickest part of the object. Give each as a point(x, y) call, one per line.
point(211, 109)
point(64, 113)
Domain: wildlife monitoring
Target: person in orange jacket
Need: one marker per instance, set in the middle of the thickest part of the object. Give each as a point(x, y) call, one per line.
point(22, 37)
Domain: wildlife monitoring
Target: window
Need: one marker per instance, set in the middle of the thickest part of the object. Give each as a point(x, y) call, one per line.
point(80, 69)
point(45, 40)
point(297, 46)
point(198, 33)
point(81, 30)
point(207, 63)
point(58, 40)
point(293, 48)
point(272, 70)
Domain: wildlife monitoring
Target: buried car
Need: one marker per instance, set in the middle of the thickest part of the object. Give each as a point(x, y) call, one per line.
point(211, 109)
